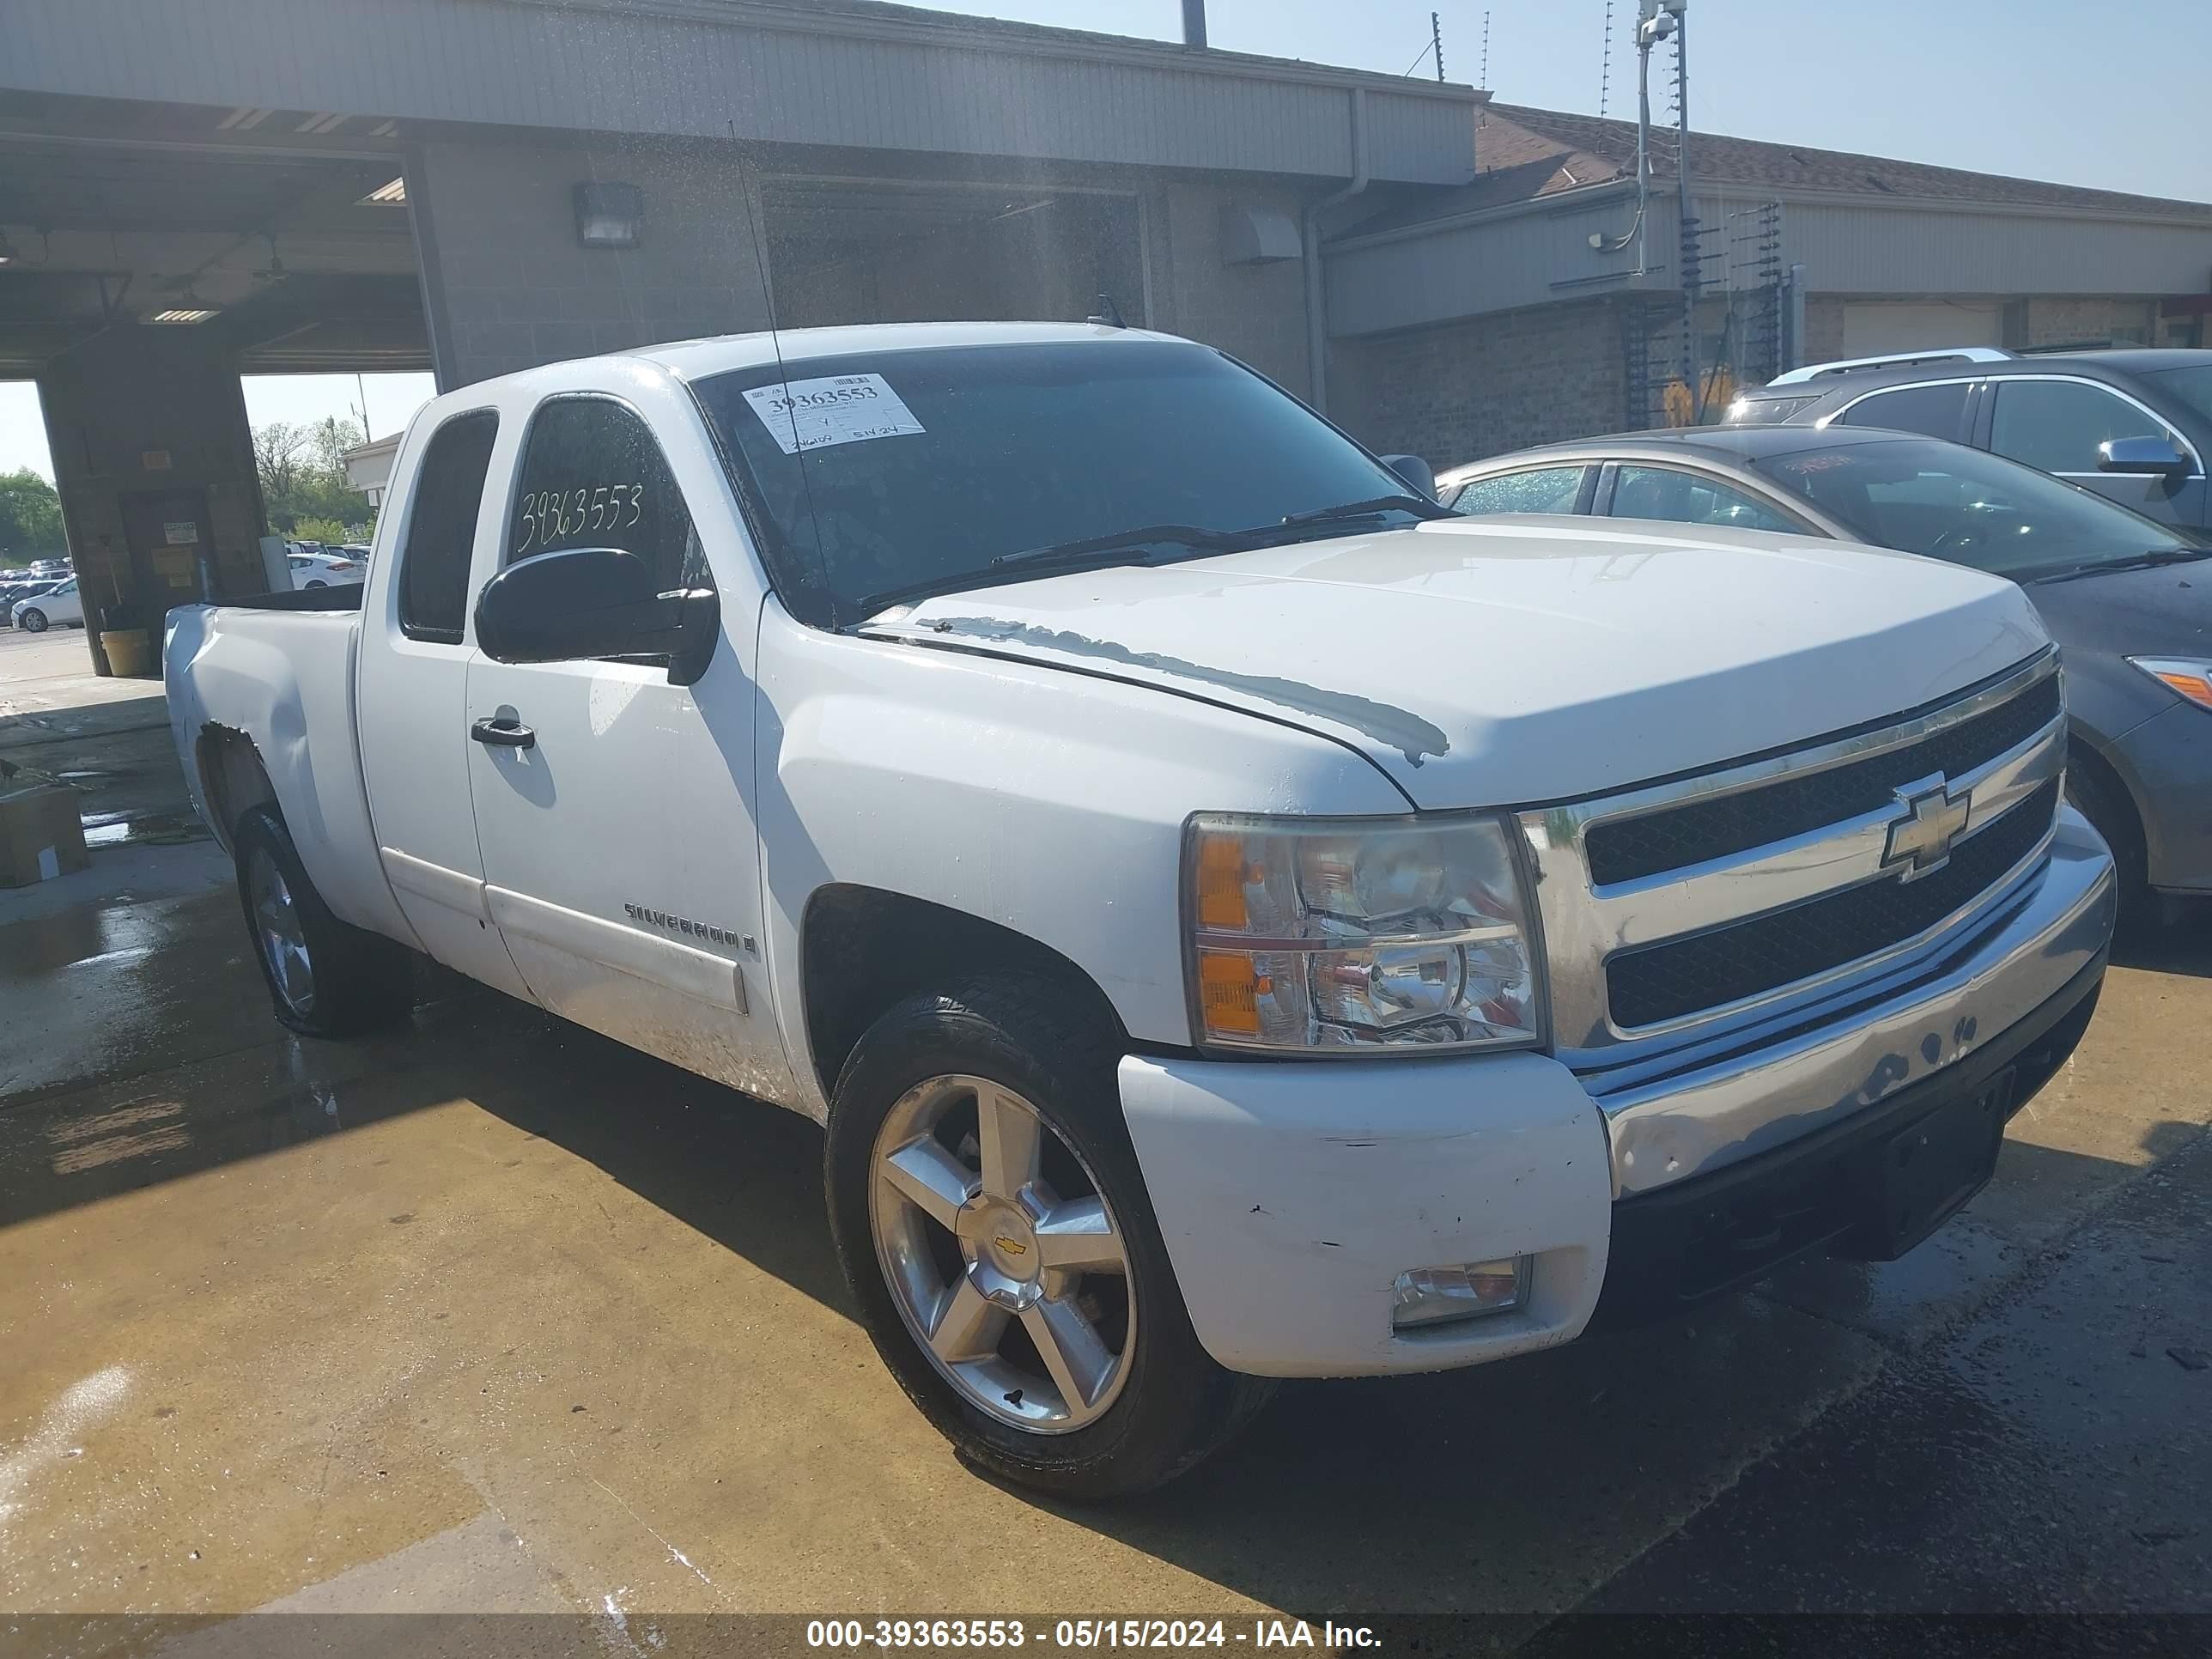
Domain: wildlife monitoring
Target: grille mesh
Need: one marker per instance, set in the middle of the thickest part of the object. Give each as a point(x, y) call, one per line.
point(1666, 982)
point(1633, 847)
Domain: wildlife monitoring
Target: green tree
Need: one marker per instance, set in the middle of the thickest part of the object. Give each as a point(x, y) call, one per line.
point(30, 517)
point(303, 481)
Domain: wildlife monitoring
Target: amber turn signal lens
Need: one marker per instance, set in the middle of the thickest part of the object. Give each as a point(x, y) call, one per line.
point(1221, 883)
point(1228, 989)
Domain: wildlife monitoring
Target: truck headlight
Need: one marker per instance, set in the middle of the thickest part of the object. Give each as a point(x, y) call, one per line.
point(1360, 933)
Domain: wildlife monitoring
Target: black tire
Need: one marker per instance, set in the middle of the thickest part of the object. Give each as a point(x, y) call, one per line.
point(360, 980)
point(31, 622)
point(2100, 798)
point(1176, 1405)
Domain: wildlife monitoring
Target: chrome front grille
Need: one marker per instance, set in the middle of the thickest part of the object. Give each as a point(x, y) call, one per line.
point(1693, 915)
point(1730, 965)
point(1649, 843)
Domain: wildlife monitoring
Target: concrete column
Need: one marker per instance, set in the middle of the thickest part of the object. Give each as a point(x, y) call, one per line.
point(148, 428)
point(508, 285)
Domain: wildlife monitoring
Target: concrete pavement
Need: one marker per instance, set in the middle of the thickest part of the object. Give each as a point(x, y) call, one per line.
point(491, 1314)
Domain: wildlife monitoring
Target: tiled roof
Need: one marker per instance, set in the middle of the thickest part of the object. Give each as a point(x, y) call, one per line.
point(1524, 153)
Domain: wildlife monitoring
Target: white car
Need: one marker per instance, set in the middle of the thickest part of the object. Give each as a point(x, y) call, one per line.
point(1235, 919)
point(326, 569)
point(56, 607)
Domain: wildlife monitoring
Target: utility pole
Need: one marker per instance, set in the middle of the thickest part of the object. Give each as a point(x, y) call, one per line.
point(1436, 43)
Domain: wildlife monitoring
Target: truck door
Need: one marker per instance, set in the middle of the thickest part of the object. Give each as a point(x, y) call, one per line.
point(412, 709)
point(618, 838)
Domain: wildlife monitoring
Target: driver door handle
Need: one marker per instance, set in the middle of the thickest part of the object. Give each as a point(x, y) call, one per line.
point(500, 733)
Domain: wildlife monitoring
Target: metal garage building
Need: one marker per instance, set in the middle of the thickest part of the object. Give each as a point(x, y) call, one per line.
point(195, 189)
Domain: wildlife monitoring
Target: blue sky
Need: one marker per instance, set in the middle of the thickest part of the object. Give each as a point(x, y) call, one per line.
point(2076, 93)
point(2080, 93)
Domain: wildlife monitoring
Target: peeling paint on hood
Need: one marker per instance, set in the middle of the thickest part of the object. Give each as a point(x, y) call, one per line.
point(1505, 662)
point(1397, 728)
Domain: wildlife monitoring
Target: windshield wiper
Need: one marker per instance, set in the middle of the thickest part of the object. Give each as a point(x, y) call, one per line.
point(1420, 506)
point(1123, 541)
point(1128, 547)
point(1091, 553)
point(2150, 559)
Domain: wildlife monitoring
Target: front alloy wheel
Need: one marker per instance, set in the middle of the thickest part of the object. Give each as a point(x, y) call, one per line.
point(994, 1226)
point(1004, 1257)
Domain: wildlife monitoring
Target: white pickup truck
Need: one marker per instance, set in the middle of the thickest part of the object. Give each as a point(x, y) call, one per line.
point(1235, 919)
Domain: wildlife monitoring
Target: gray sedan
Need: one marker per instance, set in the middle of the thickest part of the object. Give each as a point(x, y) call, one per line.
point(2128, 601)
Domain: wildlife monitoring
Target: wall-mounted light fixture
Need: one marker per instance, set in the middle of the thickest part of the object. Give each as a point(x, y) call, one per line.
point(609, 215)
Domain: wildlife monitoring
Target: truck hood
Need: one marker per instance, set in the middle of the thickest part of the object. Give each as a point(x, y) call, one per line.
point(1512, 661)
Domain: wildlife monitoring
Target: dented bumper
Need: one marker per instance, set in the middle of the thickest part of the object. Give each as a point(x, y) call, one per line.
point(1292, 1196)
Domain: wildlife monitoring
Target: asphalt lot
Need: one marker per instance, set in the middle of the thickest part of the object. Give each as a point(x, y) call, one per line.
point(489, 1313)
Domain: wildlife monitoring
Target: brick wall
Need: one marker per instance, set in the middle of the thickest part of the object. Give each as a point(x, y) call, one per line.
point(2062, 321)
point(1824, 329)
point(1481, 387)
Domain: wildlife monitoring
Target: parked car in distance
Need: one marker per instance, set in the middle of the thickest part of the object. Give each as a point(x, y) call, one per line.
point(2129, 600)
point(13, 594)
point(59, 605)
point(2132, 422)
point(323, 569)
point(1234, 918)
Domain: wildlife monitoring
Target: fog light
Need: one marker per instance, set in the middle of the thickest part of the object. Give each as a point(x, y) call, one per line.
point(1436, 1296)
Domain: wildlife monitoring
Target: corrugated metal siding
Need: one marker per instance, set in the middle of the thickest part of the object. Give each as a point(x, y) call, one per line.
point(580, 66)
point(1854, 250)
point(1497, 265)
point(1502, 265)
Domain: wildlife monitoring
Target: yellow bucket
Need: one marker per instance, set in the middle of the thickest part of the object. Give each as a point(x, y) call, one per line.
point(127, 654)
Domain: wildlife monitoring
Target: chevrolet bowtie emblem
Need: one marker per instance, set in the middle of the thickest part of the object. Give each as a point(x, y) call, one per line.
point(1011, 1246)
point(1921, 839)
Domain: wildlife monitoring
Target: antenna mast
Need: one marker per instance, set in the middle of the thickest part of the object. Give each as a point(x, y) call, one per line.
point(1485, 51)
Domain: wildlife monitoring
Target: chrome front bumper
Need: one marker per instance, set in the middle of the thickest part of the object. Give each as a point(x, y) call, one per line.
point(1716, 1113)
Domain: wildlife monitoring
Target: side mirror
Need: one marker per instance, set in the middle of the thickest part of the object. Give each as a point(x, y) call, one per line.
point(1415, 471)
point(2160, 457)
point(594, 602)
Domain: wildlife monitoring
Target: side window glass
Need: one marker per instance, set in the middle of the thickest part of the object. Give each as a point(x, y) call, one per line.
point(1545, 489)
point(1935, 411)
point(2057, 425)
point(593, 477)
point(441, 528)
point(1660, 492)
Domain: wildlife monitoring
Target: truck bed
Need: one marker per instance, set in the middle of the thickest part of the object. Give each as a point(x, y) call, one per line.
point(280, 669)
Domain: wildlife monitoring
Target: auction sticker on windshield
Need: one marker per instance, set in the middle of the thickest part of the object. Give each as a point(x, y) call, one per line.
point(838, 409)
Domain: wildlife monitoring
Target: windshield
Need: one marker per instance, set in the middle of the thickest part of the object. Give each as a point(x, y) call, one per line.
point(2192, 385)
point(923, 466)
point(1923, 495)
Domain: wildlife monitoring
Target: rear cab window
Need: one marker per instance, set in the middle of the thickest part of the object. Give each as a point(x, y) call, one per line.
point(441, 528)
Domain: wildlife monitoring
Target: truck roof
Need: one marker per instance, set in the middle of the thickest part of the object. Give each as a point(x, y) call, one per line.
point(692, 359)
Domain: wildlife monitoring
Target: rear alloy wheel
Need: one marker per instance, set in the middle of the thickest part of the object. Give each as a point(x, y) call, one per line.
point(325, 977)
point(31, 622)
point(280, 933)
point(992, 1224)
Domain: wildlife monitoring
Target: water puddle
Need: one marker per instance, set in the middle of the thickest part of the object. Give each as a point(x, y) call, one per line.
point(146, 829)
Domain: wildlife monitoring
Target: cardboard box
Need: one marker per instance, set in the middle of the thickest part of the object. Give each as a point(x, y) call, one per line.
point(40, 834)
